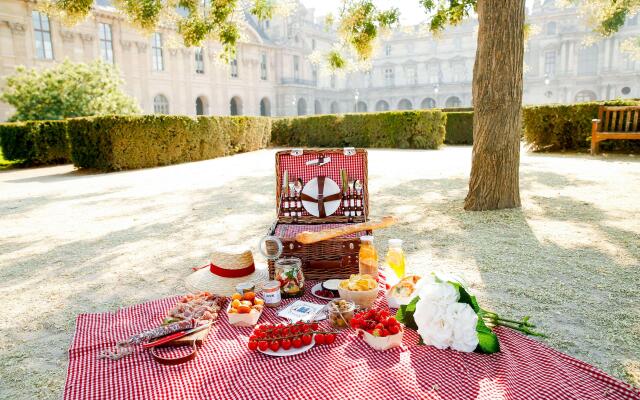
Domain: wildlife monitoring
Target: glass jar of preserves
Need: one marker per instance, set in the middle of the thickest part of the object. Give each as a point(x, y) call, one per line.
point(288, 271)
point(368, 257)
point(271, 293)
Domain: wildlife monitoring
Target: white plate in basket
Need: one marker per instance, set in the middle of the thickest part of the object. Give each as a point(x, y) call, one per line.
point(317, 287)
point(311, 190)
point(290, 352)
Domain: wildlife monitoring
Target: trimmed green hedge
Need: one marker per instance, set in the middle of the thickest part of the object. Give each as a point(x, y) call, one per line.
point(115, 142)
point(459, 128)
point(568, 127)
point(420, 129)
point(35, 142)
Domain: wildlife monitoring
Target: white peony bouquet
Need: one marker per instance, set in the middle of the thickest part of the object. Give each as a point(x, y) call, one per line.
point(447, 316)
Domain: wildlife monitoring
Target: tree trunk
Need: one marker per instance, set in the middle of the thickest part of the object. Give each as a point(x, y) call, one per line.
point(497, 100)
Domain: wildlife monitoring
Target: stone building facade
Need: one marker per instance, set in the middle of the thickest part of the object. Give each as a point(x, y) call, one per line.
point(272, 73)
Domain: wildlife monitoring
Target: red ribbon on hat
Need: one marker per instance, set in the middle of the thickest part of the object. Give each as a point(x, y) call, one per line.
point(232, 273)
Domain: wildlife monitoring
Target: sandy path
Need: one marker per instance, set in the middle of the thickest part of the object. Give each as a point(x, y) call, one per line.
point(75, 242)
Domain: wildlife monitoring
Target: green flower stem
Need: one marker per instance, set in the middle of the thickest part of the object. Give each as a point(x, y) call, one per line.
point(516, 326)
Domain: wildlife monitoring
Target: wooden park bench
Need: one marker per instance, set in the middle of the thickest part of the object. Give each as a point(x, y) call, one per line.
point(614, 122)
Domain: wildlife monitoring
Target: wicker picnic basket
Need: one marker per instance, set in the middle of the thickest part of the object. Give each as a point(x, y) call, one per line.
point(334, 258)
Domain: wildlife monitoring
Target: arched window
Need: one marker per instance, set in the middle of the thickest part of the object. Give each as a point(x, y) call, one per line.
point(382, 105)
point(265, 107)
point(335, 108)
point(453, 102)
point(361, 106)
point(235, 106)
point(302, 106)
point(160, 104)
point(588, 60)
point(551, 28)
point(317, 107)
point(584, 96)
point(428, 102)
point(405, 104)
point(201, 106)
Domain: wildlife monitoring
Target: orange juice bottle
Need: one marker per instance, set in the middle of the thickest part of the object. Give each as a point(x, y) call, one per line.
point(395, 257)
point(368, 257)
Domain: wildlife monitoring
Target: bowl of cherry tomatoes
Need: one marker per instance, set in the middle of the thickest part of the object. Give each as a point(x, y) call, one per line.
point(378, 328)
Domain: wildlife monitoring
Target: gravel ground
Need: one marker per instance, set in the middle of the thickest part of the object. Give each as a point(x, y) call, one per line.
point(75, 242)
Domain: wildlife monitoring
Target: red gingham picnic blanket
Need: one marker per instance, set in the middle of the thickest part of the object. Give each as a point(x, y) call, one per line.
point(347, 369)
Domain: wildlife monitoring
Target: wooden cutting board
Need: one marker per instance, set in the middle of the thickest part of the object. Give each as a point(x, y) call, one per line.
point(199, 337)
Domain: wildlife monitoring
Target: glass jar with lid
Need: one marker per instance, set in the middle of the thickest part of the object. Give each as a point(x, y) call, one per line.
point(368, 257)
point(288, 271)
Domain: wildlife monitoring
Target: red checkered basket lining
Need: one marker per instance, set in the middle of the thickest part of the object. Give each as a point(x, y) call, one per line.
point(289, 231)
point(297, 168)
point(349, 368)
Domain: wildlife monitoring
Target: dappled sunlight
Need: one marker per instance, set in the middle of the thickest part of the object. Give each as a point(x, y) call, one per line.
point(81, 242)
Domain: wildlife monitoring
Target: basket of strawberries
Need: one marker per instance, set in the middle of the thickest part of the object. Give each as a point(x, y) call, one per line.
point(378, 328)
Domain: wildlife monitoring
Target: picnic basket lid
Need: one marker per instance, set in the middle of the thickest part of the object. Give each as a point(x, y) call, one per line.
point(295, 162)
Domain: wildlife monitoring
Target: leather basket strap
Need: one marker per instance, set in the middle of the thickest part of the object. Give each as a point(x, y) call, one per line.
point(177, 360)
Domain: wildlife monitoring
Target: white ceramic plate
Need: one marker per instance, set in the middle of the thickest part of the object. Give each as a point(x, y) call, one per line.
point(317, 287)
point(311, 189)
point(290, 352)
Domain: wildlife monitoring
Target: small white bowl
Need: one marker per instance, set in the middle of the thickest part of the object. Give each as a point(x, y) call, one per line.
point(248, 319)
point(363, 298)
point(383, 343)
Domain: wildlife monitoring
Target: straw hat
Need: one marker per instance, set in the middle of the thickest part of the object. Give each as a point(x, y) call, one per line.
point(229, 266)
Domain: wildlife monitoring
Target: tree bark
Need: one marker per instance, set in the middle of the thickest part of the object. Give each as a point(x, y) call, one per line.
point(497, 101)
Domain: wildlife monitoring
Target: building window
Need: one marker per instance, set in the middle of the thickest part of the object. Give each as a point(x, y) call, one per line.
point(332, 81)
point(199, 55)
point(106, 42)
point(387, 50)
point(585, 96)
point(156, 49)
point(335, 108)
point(160, 104)
point(314, 74)
point(382, 106)
point(302, 106)
point(626, 90)
point(405, 104)
point(296, 67)
point(412, 78)
point(317, 107)
point(458, 72)
point(428, 103)
point(234, 68)
point(551, 28)
point(201, 106)
point(265, 107)
point(588, 60)
point(313, 44)
point(550, 63)
point(453, 102)
point(388, 76)
point(42, 33)
point(235, 106)
point(263, 66)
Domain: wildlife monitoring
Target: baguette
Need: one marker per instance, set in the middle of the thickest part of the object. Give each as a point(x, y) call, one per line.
point(307, 237)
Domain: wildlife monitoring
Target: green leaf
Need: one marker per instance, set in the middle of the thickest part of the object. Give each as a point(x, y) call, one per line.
point(404, 315)
point(487, 339)
point(466, 297)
